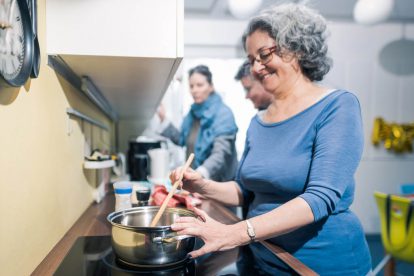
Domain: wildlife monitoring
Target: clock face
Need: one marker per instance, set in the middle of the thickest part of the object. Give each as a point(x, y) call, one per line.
point(16, 44)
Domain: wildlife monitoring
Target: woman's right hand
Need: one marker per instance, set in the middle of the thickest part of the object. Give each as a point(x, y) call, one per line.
point(192, 180)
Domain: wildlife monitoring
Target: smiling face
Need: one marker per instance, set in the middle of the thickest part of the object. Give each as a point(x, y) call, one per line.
point(200, 88)
point(276, 74)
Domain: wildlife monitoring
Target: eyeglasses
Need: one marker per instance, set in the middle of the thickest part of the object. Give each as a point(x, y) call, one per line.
point(264, 56)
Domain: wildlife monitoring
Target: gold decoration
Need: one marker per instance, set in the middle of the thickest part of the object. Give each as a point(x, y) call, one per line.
point(396, 137)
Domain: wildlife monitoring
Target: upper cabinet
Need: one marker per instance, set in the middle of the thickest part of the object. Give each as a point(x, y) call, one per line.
point(128, 50)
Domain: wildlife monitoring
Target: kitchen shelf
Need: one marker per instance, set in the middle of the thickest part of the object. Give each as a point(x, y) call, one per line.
point(99, 164)
point(74, 112)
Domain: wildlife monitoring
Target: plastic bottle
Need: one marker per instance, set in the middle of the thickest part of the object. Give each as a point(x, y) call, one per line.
point(123, 191)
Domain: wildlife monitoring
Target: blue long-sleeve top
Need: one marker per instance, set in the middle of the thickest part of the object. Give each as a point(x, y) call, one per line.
point(312, 155)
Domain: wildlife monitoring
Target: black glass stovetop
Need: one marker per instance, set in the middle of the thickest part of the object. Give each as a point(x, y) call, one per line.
point(93, 255)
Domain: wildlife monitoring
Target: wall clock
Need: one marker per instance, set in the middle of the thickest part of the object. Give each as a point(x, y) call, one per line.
point(16, 42)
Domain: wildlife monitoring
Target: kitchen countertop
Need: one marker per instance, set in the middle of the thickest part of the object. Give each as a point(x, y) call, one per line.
point(93, 223)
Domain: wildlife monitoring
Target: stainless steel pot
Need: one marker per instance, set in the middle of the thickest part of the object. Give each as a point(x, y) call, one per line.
point(134, 242)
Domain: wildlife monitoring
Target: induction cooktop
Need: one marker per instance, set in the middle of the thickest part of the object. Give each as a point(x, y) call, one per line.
point(93, 255)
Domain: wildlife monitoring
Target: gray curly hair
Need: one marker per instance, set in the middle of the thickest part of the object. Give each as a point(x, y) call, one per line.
point(297, 30)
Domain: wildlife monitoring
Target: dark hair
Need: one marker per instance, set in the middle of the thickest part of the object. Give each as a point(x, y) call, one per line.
point(244, 71)
point(299, 30)
point(203, 70)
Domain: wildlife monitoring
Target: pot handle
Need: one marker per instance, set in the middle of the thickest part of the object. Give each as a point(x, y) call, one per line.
point(170, 239)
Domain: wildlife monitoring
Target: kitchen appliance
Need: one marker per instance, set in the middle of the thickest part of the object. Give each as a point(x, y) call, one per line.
point(159, 163)
point(93, 255)
point(137, 244)
point(138, 161)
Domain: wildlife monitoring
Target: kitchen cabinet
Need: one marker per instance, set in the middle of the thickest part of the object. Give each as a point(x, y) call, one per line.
point(129, 50)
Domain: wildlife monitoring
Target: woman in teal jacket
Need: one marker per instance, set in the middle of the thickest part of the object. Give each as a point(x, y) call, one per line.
point(209, 129)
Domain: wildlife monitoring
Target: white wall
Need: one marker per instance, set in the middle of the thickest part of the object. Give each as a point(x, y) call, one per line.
point(381, 93)
point(355, 50)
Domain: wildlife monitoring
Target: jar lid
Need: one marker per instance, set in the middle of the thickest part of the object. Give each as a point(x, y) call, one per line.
point(123, 191)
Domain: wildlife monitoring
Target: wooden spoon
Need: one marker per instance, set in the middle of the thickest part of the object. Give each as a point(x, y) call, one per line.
point(171, 193)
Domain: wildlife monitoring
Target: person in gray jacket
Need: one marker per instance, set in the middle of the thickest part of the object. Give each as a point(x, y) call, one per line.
point(255, 92)
point(209, 129)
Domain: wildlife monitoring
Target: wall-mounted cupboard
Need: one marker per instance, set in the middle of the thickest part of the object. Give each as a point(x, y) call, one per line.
point(123, 53)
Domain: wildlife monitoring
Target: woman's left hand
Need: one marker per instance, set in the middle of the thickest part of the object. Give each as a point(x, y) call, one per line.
point(216, 236)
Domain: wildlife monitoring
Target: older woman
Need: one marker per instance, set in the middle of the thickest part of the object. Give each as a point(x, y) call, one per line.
point(208, 130)
point(297, 170)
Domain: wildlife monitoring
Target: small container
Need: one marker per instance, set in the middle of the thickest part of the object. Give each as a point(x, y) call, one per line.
point(143, 195)
point(123, 191)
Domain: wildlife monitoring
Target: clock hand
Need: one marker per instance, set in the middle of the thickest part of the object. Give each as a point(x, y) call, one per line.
point(4, 25)
point(11, 10)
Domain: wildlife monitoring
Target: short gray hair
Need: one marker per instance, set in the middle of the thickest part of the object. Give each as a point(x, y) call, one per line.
point(299, 30)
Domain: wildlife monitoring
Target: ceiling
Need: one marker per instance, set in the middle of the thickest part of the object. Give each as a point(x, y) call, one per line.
point(331, 9)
